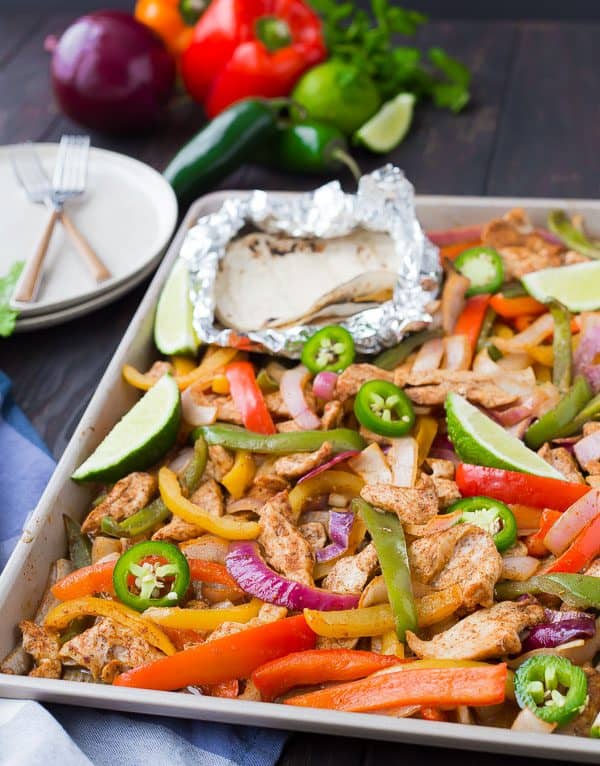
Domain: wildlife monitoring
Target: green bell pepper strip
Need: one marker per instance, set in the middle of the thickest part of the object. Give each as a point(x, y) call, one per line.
point(384, 408)
point(552, 688)
point(483, 267)
point(595, 728)
point(79, 545)
point(561, 346)
point(388, 537)
point(170, 579)
point(234, 437)
point(483, 341)
point(491, 515)
point(266, 383)
point(330, 349)
point(560, 420)
point(575, 590)
point(514, 290)
point(559, 224)
point(145, 520)
point(395, 355)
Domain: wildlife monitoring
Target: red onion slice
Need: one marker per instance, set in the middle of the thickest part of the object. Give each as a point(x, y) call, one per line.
point(340, 526)
point(324, 385)
point(572, 522)
point(547, 635)
point(588, 448)
point(445, 237)
point(329, 464)
point(291, 388)
point(586, 353)
point(247, 567)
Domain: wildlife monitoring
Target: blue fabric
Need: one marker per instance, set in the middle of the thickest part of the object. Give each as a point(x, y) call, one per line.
point(57, 735)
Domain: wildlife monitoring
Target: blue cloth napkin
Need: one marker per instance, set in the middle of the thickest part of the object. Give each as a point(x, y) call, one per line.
point(57, 735)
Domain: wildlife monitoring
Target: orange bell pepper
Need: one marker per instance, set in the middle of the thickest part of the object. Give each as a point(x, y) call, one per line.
point(210, 571)
point(514, 307)
point(97, 578)
point(580, 553)
point(471, 318)
point(174, 27)
point(440, 687)
point(451, 252)
point(248, 398)
point(316, 667)
point(224, 659)
point(527, 517)
point(535, 543)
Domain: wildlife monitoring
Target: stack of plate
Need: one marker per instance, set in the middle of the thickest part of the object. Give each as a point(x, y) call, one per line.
point(127, 214)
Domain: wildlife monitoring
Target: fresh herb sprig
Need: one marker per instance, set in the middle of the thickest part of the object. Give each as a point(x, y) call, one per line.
point(368, 41)
point(8, 316)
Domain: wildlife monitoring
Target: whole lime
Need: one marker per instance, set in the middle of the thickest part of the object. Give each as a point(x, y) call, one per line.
point(338, 93)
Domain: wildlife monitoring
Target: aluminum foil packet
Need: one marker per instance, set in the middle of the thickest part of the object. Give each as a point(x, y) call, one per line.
point(384, 202)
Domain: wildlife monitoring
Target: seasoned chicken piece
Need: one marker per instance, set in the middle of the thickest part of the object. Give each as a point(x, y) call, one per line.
point(107, 649)
point(441, 469)
point(593, 481)
point(591, 427)
point(266, 486)
point(571, 257)
point(488, 394)
point(267, 613)
point(351, 573)
point(209, 497)
point(564, 462)
point(335, 643)
point(486, 633)
point(299, 463)
point(592, 467)
point(287, 426)
point(580, 726)
point(42, 644)
point(159, 369)
point(333, 412)
point(220, 462)
point(285, 549)
point(465, 555)
point(594, 568)
point(355, 375)
point(129, 495)
point(314, 533)
point(519, 260)
point(414, 505)
point(446, 490)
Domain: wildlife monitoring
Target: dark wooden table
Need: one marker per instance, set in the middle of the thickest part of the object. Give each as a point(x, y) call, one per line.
point(533, 129)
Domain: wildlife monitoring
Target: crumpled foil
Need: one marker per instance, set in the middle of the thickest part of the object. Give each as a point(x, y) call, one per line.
point(384, 202)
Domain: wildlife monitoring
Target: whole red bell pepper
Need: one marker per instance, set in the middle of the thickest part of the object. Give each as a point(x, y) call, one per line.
point(243, 48)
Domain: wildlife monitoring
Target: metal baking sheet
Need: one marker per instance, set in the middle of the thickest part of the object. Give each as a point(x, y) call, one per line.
point(42, 542)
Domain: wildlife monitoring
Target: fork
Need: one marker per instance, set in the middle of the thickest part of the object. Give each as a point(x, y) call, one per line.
point(70, 179)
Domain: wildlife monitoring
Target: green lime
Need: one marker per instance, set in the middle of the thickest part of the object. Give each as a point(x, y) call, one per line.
point(173, 328)
point(479, 440)
point(577, 287)
point(338, 93)
point(139, 439)
point(387, 128)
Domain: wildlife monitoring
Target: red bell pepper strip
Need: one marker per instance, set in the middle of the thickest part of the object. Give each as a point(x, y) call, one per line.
point(535, 543)
point(243, 48)
point(451, 252)
point(580, 553)
point(446, 687)
point(515, 487)
point(248, 398)
point(224, 659)
point(471, 318)
point(508, 308)
point(97, 578)
point(316, 667)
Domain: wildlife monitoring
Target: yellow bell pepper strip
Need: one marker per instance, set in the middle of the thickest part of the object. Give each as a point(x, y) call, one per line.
point(59, 617)
point(220, 385)
point(241, 474)
point(340, 482)
point(387, 535)
point(224, 526)
point(203, 374)
point(183, 364)
point(425, 432)
point(224, 659)
point(379, 619)
point(202, 619)
point(391, 645)
point(440, 687)
point(541, 354)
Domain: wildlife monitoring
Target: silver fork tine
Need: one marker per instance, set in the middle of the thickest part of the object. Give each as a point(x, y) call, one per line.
point(71, 165)
point(29, 171)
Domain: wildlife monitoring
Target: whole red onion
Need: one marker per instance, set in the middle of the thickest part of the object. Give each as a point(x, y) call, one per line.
point(111, 73)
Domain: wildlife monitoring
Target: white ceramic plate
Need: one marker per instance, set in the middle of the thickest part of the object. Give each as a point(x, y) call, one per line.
point(127, 213)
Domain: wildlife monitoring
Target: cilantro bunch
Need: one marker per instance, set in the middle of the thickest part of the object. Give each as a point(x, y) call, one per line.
point(368, 42)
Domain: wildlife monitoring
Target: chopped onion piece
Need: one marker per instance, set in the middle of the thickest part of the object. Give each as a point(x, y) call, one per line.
point(403, 458)
point(329, 464)
point(196, 414)
point(519, 567)
point(291, 387)
point(429, 356)
point(549, 635)
point(566, 528)
point(371, 465)
point(529, 722)
point(324, 385)
point(455, 236)
point(588, 448)
point(340, 526)
point(453, 299)
point(588, 350)
point(457, 352)
point(536, 333)
point(180, 461)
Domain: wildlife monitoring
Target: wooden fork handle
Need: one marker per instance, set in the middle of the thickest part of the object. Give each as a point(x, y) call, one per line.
point(96, 266)
point(29, 281)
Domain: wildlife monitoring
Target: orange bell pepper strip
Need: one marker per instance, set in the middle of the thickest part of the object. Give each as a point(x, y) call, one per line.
point(225, 659)
point(316, 667)
point(210, 571)
point(580, 553)
point(451, 252)
point(512, 487)
point(535, 543)
point(471, 318)
point(97, 578)
point(248, 398)
point(439, 687)
point(527, 517)
point(508, 308)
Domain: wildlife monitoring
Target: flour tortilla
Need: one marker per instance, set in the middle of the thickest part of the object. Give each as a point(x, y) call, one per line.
point(273, 281)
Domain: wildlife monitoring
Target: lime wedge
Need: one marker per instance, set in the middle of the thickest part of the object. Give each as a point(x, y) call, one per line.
point(577, 287)
point(173, 328)
point(479, 440)
point(387, 128)
point(139, 439)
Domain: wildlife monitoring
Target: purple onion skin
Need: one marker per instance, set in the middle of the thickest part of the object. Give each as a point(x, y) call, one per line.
point(552, 634)
point(112, 74)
